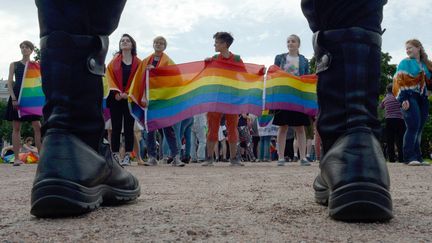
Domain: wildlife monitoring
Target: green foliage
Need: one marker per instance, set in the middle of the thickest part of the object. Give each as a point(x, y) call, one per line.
point(426, 144)
point(37, 54)
point(312, 65)
point(6, 126)
point(387, 71)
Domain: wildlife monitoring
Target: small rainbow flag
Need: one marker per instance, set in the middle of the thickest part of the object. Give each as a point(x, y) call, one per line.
point(31, 98)
point(265, 118)
point(180, 91)
point(289, 92)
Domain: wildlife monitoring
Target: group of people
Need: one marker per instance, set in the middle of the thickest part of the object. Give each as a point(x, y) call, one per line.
point(126, 71)
point(77, 171)
point(406, 105)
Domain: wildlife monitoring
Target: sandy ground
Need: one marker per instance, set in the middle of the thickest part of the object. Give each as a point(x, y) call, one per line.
point(257, 203)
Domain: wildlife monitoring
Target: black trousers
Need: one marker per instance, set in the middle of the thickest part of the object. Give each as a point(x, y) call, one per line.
point(395, 130)
point(340, 14)
point(79, 17)
point(120, 114)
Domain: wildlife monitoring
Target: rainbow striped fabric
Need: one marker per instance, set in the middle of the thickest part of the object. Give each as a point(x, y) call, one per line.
point(289, 92)
point(181, 91)
point(31, 98)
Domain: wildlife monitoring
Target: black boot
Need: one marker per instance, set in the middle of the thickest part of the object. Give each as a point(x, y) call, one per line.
point(354, 180)
point(76, 172)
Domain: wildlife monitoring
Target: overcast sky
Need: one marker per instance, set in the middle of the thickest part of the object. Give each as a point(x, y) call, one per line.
point(260, 27)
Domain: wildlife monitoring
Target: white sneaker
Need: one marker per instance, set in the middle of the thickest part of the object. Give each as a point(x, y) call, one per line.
point(414, 163)
point(281, 162)
point(126, 160)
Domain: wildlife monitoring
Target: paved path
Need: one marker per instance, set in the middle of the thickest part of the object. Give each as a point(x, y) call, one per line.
point(257, 203)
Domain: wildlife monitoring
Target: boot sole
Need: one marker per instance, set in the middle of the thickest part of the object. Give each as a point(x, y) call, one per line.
point(53, 198)
point(358, 202)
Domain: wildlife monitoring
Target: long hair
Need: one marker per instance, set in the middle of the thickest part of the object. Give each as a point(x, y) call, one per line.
point(134, 48)
point(297, 38)
point(423, 56)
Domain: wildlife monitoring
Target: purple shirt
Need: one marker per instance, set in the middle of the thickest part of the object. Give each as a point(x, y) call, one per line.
point(392, 107)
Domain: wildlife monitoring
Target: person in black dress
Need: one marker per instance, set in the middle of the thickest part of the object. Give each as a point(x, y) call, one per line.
point(17, 69)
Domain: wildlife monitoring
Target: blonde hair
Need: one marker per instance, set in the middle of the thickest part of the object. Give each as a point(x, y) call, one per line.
point(160, 38)
point(423, 56)
point(297, 38)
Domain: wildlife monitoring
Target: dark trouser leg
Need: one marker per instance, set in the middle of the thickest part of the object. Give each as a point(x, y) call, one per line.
point(74, 164)
point(400, 131)
point(354, 180)
point(129, 123)
point(117, 125)
point(391, 126)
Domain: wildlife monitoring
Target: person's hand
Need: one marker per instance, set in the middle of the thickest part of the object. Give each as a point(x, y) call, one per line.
point(150, 67)
point(117, 97)
point(208, 59)
point(15, 104)
point(144, 101)
point(124, 96)
point(405, 105)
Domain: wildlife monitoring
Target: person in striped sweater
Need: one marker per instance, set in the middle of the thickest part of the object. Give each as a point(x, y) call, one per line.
point(395, 125)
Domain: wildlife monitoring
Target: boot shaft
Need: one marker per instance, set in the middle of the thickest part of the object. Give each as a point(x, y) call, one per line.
point(73, 94)
point(348, 74)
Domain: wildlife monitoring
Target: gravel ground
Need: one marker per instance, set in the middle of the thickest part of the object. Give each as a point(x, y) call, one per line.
point(257, 203)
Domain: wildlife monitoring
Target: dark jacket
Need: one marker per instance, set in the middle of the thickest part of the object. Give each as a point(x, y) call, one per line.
point(303, 63)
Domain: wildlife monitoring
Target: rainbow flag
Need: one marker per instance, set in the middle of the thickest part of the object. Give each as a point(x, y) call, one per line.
point(265, 118)
point(31, 98)
point(180, 91)
point(289, 92)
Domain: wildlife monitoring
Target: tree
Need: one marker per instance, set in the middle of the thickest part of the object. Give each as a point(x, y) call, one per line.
point(387, 72)
point(37, 54)
point(6, 126)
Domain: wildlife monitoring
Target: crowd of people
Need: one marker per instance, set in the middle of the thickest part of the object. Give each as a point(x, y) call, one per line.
point(214, 137)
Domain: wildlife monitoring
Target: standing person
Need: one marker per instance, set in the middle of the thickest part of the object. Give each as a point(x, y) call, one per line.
point(186, 133)
point(198, 134)
point(223, 41)
point(157, 59)
point(353, 180)
point(76, 171)
point(296, 64)
point(395, 125)
point(120, 73)
point(17, 69)
point(409, 86)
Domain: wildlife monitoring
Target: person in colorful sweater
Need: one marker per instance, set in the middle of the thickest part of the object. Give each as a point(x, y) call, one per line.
point(409, 87)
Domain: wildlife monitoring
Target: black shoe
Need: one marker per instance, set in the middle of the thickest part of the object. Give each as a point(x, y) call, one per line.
point(186, 159)
point(73, 179)
point(354, 181)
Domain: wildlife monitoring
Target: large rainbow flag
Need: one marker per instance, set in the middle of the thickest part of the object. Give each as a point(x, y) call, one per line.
point(31, 98)
point(289, 92)
point(180, 91)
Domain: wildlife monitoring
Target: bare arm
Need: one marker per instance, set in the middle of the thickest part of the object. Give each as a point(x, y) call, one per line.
point(10, 81)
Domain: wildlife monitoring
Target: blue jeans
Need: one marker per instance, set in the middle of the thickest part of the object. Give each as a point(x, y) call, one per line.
point(198, 135)
point(264, 148)
point(169, 138)
point(415, 118)
point(186, 130)
point(181, 129)
point(143, 143)
point(166, 149)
